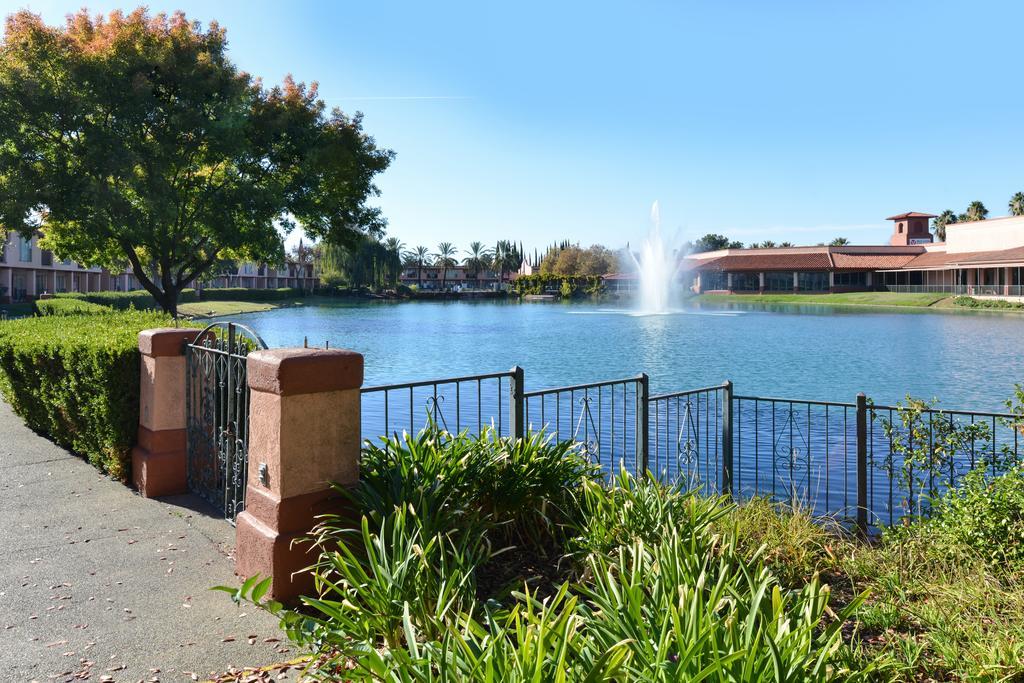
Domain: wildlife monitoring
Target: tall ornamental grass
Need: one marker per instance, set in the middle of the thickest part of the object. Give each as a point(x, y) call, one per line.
point(650, 584)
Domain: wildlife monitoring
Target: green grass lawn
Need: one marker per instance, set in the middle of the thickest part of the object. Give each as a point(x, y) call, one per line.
point(845, 299)
point(210, 309)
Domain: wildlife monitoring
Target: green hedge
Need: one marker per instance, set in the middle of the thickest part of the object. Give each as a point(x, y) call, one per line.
point(70, 307)
point(997, 304)
point(246, 294)
point(139, 299)
point(76, 380)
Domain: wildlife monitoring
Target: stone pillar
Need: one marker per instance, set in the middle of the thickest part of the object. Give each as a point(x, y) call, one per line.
point(159, 460)
point(304, 435)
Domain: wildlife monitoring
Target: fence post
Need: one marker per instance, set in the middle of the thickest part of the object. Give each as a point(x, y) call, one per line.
point(159, 460)
point(517, 397)
point(862, 463)
point(643, 394)
point(727, 464)
point(304, 435)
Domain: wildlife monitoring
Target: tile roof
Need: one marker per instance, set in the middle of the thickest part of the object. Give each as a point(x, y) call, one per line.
point(768, 259)
point(941, 259)
point(911, 214)
point(870, 261)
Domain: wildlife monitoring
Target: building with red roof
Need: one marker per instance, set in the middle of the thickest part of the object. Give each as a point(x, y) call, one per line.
point(978, 258)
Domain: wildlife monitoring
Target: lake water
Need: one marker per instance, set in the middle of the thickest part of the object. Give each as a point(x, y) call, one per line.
point(965, 359)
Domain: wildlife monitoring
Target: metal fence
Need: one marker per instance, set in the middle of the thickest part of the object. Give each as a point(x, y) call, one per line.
point(928, 289)
point(605, 418)
point(863, 464)
point(454, 404)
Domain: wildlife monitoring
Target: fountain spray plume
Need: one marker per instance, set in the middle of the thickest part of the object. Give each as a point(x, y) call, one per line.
point(657, 267)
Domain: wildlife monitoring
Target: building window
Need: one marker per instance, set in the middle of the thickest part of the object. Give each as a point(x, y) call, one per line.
point(746, 282)
point(778, 281)
point(899, 228)
point(25, 250)
point(712, 280)
point(812, 282)
point(850, 279)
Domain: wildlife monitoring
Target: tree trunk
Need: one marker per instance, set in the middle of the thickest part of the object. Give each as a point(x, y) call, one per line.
point(168, 301)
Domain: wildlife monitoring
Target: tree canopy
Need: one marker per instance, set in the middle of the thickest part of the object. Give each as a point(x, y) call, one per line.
point(575, 261)
point(714, 242)
point(133, 140)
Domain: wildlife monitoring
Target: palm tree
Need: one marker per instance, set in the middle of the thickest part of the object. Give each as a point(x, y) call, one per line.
point(976, 211)
point(839, 242)
point(940, 222)
point(417, 257)
point(394, 244)
point(507, 259)
point(1017, 204)
point(445, 259)
point(478, 258)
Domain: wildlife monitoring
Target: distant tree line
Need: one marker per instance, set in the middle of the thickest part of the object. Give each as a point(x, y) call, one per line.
point(572, 260)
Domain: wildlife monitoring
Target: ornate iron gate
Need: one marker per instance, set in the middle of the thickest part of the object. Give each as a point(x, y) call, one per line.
point(217, 414)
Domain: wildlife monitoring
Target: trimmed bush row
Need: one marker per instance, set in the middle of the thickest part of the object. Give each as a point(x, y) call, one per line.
point(70, 307)
point(75, 378)
point(246, 294)
point(138, 298)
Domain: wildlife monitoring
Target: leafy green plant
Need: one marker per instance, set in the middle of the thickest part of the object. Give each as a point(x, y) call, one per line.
point(925, 445)
point(631, 510)
point(984, 516)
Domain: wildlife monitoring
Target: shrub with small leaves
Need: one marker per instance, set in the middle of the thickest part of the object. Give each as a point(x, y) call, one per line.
point(75, 378)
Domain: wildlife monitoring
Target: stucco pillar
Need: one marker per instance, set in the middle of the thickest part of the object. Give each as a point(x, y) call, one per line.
point(796, 281)
point(159, 461)
point(1007, 279)
point(304, 435)
point(760, 283)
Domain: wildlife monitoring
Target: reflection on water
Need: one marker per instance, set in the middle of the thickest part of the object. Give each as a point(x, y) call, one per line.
point(812, 352)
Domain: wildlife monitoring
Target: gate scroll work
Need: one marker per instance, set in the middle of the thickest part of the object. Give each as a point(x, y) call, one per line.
point(217, 414)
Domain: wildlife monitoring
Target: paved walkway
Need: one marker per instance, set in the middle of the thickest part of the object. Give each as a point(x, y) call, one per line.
point(99, 584)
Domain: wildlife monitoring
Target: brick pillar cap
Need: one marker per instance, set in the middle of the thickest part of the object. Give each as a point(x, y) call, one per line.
point(304, 371)
point(165, 341)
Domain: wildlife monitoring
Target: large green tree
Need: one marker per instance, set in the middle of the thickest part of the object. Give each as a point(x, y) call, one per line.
point(133, 140)
point(714, 242)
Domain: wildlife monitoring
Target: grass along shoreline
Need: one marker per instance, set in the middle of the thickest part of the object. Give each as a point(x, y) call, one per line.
point(878, 299)
point(873, 300)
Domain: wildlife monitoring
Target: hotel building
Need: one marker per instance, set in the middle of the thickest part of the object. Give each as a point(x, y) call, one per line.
point(27, 272)
point(981, 258)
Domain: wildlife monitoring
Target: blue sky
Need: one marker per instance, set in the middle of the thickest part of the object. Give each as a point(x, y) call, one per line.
point(779, 120)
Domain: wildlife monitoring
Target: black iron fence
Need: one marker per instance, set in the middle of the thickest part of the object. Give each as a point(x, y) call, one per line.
point(864, 464)
point(454, 404)
point(605, 418)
